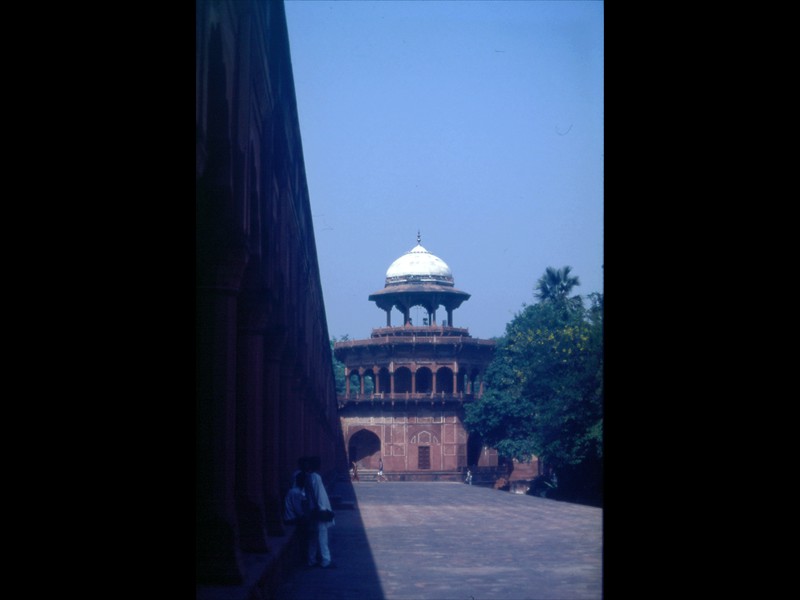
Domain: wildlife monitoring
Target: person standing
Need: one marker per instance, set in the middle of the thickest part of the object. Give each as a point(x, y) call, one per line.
point(301, 467)
point(318, 550)
point(295, 511)
point(380, 476)
point(294, 507)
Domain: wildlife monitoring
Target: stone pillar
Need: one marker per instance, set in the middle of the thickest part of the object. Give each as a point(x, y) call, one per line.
point(347, 382)
point(361, 380)
point(217, 528)
point(293, 408)
point(455, 378)
point(251, 462)
point(450, 317)
point(285, 430)
point(389, 318)
point(376, 370)
point(414, 381)
point(273, 397)
point(271, 440)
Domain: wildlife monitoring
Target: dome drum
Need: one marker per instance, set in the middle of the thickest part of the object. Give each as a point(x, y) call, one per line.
point(429, 278)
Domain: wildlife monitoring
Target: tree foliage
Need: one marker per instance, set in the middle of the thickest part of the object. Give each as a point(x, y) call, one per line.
point(338, 366)
point(555, 286)
point(545, 387)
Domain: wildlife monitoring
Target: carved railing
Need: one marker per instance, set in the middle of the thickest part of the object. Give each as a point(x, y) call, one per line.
point(418, 398)
point(420, 331)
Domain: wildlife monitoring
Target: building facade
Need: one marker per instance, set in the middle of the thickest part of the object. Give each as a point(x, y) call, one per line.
point(265, 390)
point(407, 385)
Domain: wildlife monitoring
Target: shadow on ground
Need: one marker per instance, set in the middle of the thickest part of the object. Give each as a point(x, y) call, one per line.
point(355, 575)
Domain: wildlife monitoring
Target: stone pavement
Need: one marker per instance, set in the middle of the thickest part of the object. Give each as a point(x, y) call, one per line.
point(450, 541)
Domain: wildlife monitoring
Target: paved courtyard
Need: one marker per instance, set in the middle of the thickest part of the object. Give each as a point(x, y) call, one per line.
point(450, 541)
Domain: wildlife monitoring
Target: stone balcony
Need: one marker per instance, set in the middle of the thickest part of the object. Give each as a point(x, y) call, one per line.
point(355, 399)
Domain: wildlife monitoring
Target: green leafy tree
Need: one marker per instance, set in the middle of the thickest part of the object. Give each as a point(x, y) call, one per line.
point(545, 391)
point(555, 287)
point(338, 373)
point(338, 366)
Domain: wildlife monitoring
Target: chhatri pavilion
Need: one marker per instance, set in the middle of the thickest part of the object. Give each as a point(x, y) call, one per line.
point(407, 385)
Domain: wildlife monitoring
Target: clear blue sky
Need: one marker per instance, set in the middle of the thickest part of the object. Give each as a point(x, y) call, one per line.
point(479, 124)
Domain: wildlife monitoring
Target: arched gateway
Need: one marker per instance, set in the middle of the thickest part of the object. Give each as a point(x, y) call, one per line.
point(363, 446)
point(419, 377)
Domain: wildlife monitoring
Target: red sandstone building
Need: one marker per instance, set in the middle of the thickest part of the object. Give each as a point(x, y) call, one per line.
point(406, 386)
point(265, 391)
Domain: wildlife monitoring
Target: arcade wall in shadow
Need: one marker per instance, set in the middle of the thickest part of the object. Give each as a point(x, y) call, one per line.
point(265, 390)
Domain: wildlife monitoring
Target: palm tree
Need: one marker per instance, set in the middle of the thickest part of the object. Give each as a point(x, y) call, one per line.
point(555, 286)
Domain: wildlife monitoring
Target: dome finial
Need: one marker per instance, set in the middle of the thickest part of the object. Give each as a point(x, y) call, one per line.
point(419, 239)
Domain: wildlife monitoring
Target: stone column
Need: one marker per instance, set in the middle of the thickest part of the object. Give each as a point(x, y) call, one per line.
point(275, 341)
point(251, 462)
point(272, 483)
point(217, 528)
point(347, 382)
point(450, 317)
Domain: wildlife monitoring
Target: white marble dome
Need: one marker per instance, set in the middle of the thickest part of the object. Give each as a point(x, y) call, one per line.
point(419, 265)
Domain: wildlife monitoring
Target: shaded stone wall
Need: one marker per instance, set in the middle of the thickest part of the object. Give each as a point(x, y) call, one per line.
point(265, 390)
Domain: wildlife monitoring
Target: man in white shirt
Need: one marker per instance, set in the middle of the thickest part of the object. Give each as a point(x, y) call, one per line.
point(318, 499)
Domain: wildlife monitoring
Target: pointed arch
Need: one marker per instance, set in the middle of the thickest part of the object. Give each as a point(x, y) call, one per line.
point(444, 380)
point(363, 444)
point(424, 381)
point(402, 380)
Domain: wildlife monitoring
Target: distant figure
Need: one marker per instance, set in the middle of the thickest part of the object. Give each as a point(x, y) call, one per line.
point(380, 477)
point(295, 510)
point(301, 467)
point(319, 504)
point(354, 471)
point(468, 478)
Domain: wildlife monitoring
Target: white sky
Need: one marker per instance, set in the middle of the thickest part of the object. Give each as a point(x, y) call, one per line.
point(479, 124)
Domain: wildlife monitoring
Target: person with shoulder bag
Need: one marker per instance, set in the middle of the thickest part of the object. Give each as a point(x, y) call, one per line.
point(295, 507)
point(296, 510)
point(321, 517)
